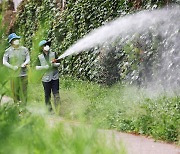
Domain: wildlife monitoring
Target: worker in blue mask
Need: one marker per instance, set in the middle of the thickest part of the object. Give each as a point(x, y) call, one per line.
point(50, 79)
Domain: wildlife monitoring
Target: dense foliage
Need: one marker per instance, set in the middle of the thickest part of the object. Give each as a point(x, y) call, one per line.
point(27, 133)
point(65, 27)
point(122, 108)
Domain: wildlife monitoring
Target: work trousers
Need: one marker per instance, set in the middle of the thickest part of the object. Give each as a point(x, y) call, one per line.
point(53, 86)
point(19, 89)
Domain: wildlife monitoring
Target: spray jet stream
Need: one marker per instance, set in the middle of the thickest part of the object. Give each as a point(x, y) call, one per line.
point(122, 27)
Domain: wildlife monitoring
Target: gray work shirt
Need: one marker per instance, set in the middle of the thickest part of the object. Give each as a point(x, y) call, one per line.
point(17, 57)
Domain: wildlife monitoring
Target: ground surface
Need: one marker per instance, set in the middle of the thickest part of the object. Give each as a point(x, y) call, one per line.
point(134, 144)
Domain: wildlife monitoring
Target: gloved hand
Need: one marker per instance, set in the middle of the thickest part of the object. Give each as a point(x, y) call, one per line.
point(54, 61)
point(14, 68)
point(55, 64)
point(46, 67)
point(23, 65)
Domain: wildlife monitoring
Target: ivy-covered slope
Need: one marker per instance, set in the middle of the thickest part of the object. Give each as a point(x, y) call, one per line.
point(46, 19)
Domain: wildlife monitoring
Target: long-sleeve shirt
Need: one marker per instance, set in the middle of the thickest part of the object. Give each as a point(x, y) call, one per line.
point(17, 57)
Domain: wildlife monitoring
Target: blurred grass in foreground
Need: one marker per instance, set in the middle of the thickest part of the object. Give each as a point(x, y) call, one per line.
point(27, 133)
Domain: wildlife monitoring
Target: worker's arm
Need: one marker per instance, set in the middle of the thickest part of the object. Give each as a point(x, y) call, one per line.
point(27, 61)
point(42, 67)
point(39, 67)
point(7, 64)
point(55, 62)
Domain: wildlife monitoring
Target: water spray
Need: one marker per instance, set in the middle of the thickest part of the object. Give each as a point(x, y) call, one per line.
point(123, 26)
point(163, 22)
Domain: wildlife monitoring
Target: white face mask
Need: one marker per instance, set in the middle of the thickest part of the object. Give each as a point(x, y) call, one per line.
point(46, 48)
point(16, 42)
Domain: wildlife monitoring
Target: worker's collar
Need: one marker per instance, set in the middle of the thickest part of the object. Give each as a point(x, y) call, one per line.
point(45, 53)
point(15, 48)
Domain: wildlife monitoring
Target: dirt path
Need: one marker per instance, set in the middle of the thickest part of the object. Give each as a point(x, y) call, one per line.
point(142, 145)
point(134, 144)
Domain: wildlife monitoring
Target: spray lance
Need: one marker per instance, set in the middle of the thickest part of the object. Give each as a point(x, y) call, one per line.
point(65, 54)
point(56, 60)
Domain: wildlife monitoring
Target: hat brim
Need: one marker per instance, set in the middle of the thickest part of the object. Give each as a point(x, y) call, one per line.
point(48, 43)
point(45, 43)
point(17, 37)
